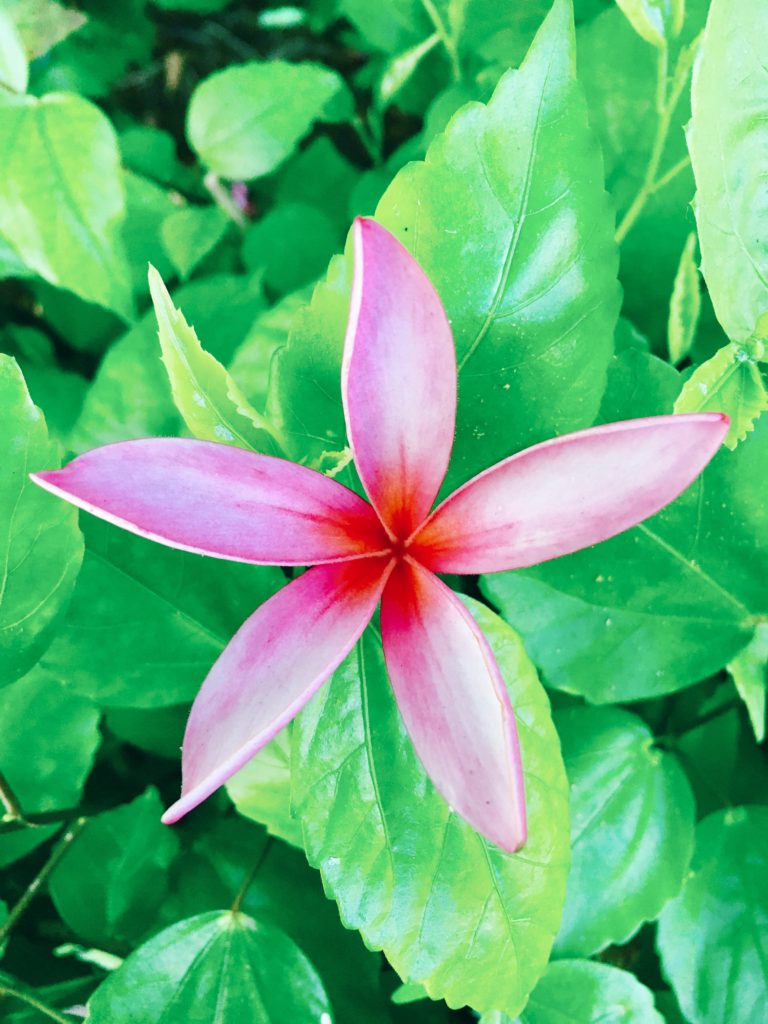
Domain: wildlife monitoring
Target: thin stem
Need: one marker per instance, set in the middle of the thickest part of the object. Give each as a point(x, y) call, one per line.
point(224, 200)
point(9, 801)
point(673, 172)
point(39, 880)
point(445, 38)
point(366, 138)
point(32, 1001)
point(241, 892)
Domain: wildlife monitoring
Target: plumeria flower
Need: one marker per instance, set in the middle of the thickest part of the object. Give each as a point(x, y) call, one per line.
point(399, 394)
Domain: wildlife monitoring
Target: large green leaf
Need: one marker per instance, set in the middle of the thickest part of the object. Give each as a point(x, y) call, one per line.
point(50, 737)
point(582, 992)
point(450, 910)
point(61, 155)
point(220, 966)
point(245, 120)
point(41, 547)
point(728, 140)
point(147, 622)
point(632, 812)
point(508, 216)
point(713, 939)
point(121, 861)
point(664, 604)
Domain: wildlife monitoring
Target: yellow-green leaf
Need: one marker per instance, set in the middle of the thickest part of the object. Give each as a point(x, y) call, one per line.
point(685, 304)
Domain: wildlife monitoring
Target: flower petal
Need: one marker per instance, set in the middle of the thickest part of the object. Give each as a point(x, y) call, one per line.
point(566, 494)
point(217, 500)
point(275, 662)
point(454, 703)
point(398, 380)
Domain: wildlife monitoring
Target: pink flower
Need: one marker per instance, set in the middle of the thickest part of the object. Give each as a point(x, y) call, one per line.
point(399, 395)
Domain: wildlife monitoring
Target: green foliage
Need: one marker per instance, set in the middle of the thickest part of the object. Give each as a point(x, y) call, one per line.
point(685, 304)
point(715, 961)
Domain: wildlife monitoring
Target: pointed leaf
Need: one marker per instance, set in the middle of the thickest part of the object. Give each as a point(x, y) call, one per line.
point(712, 937)
point(632, 812)
point(41, 547)
point(446, 906)
point(190, 234)
point(221, 966)
point(749, 671)
point(657, 21)
point(727, 140)
point(729, 382)
point(508, 218)
point(685, 304)
point(206, 396)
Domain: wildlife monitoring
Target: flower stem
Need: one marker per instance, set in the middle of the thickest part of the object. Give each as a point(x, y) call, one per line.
point(445, 38)
point(9, 801)
point(241, 892)
point(224, 200)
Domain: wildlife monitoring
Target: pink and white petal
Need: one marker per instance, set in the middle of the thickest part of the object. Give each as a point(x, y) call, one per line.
point(454, 703)
point(565, 494)
point(398, 380)
point(272, 666)
point(217, 500)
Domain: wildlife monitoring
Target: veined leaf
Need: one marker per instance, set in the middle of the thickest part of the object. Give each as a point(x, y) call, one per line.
point(78, 249)
point(685, 304)
point(245, 120)
point(508, 217)
point(657, 21)
point(728, 142)
point(713, 938)
point(450, 910)
point(219, 966)
point(749, 671)
point(632, 812)
point(41, 547)
point(262, 789)
point(210, 402)
point(593, 993)
point(729, 382)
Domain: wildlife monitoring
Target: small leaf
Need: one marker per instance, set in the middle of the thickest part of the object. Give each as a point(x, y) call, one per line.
point(245, 120)
point(749, 671)
point(50, 738)
point(41, 546)
point(728, 140)
point(43, 23)
point(400, 68)
point(593, 993)
point(262, 789)
point(712, 937)
point(14, 70)
point(189, 235)
point(79, 248)
point(219, 966)
point(656, 21)
point(729, 382)
point(632, 812)
point(446, 906)
point(206, 396)
point(121, 861)
point(685, 304)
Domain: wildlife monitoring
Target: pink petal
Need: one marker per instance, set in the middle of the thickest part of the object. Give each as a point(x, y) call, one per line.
point(217, 500)
point(272, 666)
point(566, 494)
point(398, 380)
point(454, 703)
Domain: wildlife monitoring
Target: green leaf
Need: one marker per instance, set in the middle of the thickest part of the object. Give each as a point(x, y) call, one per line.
point(147, 206)
point(632, 812)
point(398, 71)
point(262, 789)
point(508, 217)
point(221, 965)
point(655, 21)
point(41, 547)
point(79, 248)
point(121, 861)
point(582, 992)
point(190, 234)
point(245, 120)
point(291, 244)
point(685, 304)
point(729, 382)
point(210, 402)
point(131, 395)
point(658, 607)
point(50, 738)
point(445, 906)
point(712, 938)
point(43, 23)
point(14, 70)
point(727, 143)
point(749, 671)
point(146, 622)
